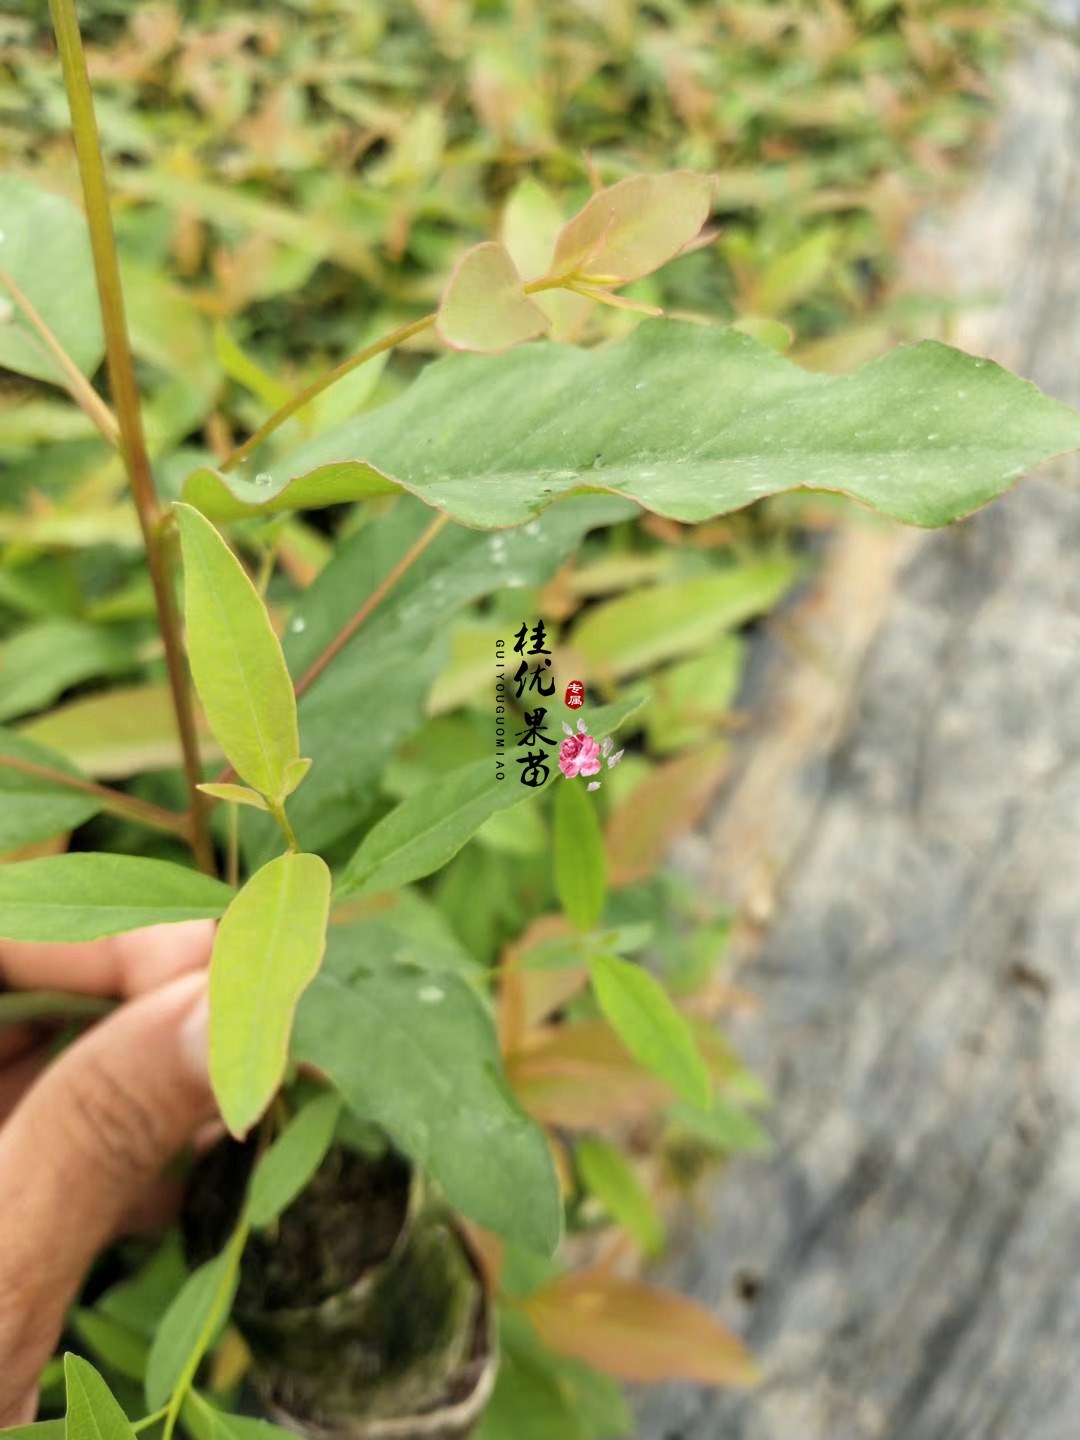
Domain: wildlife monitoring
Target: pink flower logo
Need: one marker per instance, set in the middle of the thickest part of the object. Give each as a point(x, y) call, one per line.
point(580, 754)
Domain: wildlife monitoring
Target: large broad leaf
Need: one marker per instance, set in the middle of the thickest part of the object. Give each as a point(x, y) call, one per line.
point(637, 1007)
point(372, 697)
point(416, 1053)
point(32, 808)
point(687, 420)
point(402, 928)
point(268, 949)
point(428, 828)
point(92, 1411)
point(84, 896)
point(236, 659)
point(45, 248)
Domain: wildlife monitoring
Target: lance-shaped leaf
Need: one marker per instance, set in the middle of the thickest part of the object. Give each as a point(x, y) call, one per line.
point(416, 1053)
point(637, 1333)
point(236, 659)
point(268, 949)
point(484, 306)
point(580, 876)
point(428, 828)
point(83, 896)
point(93, 1413)
point(609, 1176)
point(638, 1008)
point(45, 248)
point(689, 421)
point(292, 1159)
point(206, 1294)
point(633, 227)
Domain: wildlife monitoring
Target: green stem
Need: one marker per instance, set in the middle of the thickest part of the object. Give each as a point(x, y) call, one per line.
point(151, 1419)
point(285, 825)
point(127, 807)
point(331, 377)
point(230, 1270)
point(125, 396)
point(323, 382)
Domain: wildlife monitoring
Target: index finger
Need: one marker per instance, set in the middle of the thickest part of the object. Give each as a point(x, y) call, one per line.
point(121, 965)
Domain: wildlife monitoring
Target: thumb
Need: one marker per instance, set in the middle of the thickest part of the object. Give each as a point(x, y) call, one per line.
point(80, 1149)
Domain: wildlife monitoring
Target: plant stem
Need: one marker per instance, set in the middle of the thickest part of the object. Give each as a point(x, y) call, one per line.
point(285, 826)
point(78, 386)
point(323, 382)
point(125, 396)
point(231, 1257)
point(330, 377)
point(349, 629)
point(151, 1419)
point(127, 807)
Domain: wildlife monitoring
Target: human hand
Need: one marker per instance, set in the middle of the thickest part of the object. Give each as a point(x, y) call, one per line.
point(83, 1140)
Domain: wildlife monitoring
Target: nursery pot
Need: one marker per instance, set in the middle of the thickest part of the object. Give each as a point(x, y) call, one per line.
point(364, 1308)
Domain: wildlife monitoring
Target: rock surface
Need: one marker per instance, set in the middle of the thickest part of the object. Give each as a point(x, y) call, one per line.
point(907, 1263)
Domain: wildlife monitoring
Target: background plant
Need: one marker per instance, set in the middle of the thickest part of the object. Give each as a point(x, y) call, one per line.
point(73, 560)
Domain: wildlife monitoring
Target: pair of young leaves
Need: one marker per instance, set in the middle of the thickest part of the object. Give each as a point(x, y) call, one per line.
point(271, 939)
point(623, 233)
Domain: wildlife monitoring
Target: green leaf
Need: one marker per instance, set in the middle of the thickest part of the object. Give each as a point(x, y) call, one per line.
point(292, 1159)
point(42, 661)
point(429, 827)
point(236, 659)
point(580, 875)
point(638, 1009)
point(484, 306)
point(721, 1128)
point(86, 895)
point(206, 1422)
point(607, 1174)
point(111, 1342)
point(92, 1412)
point(185, 1323)
point(688, 420)
point(268, 949)
point(139, 1301)
point(416, 1053)
point(635, 631)
point(399, 929)
point(633, 227)
point(32, 808)
point(41, 1430)
point(235, 795)
point(46, 251)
